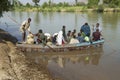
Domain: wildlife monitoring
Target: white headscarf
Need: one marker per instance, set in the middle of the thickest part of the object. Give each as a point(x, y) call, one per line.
point(59, 38)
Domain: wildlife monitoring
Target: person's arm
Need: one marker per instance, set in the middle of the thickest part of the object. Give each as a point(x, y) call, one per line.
point(93, 28)
point(23, 24)
point(28, 29)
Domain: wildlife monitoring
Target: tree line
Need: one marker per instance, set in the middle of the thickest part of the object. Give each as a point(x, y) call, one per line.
point(6, 5)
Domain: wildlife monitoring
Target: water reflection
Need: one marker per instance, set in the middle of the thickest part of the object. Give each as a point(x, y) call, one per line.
point(37, 18)
point(89, 56)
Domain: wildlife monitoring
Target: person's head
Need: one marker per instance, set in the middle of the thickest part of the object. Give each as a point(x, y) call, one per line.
point(29, 20)
point(97, 25)
point(86, 23)
point(74, 36)
point(81, 30)
point(79, 34)
point(69, 31)
point(40, 31)
point(63, 26)
point(97, 30)
point(74, 30)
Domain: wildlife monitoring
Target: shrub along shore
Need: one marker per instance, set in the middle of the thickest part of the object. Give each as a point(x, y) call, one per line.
point(66, 9)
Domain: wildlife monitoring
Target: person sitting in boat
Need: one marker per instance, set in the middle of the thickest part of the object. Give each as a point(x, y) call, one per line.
point(74, 33)
point(49, 42)
point(48, 35)
point(54, 38)
point(69, 35)
point(86, 39)
point(74, 40)
point(96, 35)
point(80, 38)
point(41, 37)
point(82, 33)
point(97, 27)
point(60, 38)
point(86, 29)
point(30, 38)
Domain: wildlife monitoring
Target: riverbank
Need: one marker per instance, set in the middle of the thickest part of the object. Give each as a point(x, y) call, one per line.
point(67, 9)
point(14, 65)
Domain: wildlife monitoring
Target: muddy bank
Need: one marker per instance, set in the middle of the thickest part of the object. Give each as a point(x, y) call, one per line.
point(14, 65)
point(5, 36)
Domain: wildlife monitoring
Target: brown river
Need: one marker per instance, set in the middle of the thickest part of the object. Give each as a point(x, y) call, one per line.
point(97, 63)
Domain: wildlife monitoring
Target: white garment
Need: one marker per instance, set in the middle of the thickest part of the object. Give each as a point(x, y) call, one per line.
point(25, 26)
point(95, 28)
point(60, 38)
point(48, 35)
point(55, 34)
point(74, 41)
point(30, 39)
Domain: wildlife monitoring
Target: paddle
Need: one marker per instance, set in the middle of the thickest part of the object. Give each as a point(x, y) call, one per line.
point(49, 47)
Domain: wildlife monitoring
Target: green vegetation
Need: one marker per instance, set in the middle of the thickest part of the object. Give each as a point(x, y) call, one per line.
point(4, 6)
point(92, 5)
point(36, 2)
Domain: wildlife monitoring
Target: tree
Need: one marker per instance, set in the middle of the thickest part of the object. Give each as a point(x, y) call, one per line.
point(28, 5)
point(106, 1)
point(93, 3)
point(36, 2)
point(100, 2)
point(4, 6)
point(76, 1)
point(49, 2)
point(112, 3)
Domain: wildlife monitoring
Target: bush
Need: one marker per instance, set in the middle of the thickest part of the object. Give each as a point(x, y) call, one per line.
point(100, 8)
point(80, 4)
point(45, 4)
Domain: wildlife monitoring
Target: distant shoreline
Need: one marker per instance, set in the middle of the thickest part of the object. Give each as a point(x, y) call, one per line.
point(66, 9)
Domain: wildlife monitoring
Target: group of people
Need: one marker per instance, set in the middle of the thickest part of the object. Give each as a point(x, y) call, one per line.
point(60, 38)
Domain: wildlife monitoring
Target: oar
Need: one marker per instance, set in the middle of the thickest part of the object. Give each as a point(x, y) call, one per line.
point(49, 47)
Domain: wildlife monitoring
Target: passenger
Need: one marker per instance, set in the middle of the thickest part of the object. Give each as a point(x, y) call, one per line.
point(64, 32)
point(80, 38)
point(74, 40)
point(74, 32)
point(54, 38)
point(24, 27)
point(96, 35)
point(82, 33)
point(41, 37)
point(49, 42)
point(69, 35)
point(86, 29)
point(48, 35)
point(97, 27)
point(30, 39)
point(86, 39)
point(60, 38)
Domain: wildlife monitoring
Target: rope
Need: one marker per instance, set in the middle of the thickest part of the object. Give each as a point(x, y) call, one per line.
point(13, 19)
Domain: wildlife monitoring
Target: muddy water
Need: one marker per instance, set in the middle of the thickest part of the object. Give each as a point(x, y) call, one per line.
point(93, 63)
point(98, 63)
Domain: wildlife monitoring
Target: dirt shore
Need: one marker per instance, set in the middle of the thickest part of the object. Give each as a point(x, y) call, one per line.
point(14, 65)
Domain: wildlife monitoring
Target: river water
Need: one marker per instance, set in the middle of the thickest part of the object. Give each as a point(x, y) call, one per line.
point(98, 63)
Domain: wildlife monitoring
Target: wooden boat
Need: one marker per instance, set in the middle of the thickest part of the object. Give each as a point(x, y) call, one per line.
point(55, 48)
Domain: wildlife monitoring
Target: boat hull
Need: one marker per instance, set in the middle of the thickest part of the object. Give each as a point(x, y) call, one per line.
point(55, 48)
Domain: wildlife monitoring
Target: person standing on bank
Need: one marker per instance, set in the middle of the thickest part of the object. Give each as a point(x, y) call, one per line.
point(25, 27)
